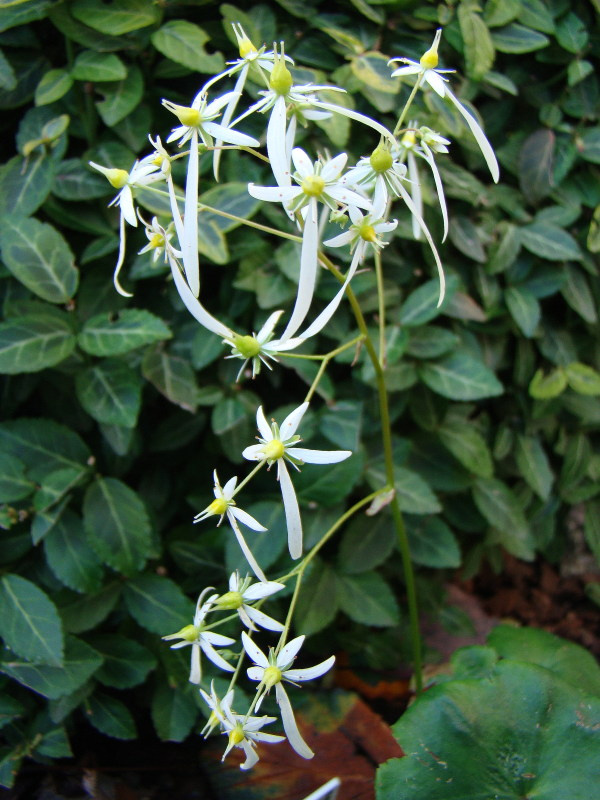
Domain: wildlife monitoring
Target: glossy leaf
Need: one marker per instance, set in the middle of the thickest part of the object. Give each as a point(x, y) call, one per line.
point(25, 184)
point(29, 622)
point(110, 716)
point(111, 335)
point(460, 377)
point(158, 604)
point(110, 392)
point(367, 599)
point(503, 511)
point(183, 42)
point(70, 557)
point(34, 343)
point(432, 543)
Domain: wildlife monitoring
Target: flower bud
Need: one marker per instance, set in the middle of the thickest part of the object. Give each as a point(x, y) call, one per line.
point(186, 115)
point(229, 601)
point(218, 507)
point(117, 177)
point(271, 676)
point(189, 633)
point(429, 59)
point(247, 346)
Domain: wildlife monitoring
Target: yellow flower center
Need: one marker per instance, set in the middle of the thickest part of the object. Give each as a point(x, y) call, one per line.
point(429, 60)
point(274, 450)
point(248, 346)
point(187, 116)
point(271, 676)
point(230, 601)
point(236, 735)
point(367, 232)
point(313, 185)
point(218, 506)
point(409, 139)
point(381, 159)
point(189, 633)
point(117, 177)
point(158, 160)
point(157, 240)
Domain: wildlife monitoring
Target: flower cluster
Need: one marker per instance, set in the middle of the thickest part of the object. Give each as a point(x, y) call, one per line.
point(316, 192)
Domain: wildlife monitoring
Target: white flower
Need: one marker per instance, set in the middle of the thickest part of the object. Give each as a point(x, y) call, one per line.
point(426, 71)
point(159, 240)
point(318, 181)
point(224, 505)
point(241, 593)
point(366, 229)
point(244, 732)
point(381, 163)
point(302, 101)
point(275, 669)
point(278, 445)
point(201, 639)
point(142, 173)
point(259, 347)
point(215, 704)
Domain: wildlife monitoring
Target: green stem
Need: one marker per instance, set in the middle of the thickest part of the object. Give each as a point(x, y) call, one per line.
point(408, 104)
point(386, 433)
point(325, 363)
point(381, 308)
point(248, 477)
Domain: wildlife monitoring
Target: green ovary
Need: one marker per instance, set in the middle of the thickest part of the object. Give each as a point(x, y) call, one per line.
point(274, 450)
point(313, 186)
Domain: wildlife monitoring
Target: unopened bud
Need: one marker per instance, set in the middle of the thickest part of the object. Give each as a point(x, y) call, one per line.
point(429, 59)
point(281, 80)
point(247, 346)
point(381, 159)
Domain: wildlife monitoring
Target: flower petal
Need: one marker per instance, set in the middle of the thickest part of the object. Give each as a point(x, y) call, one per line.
point(255, 673)
point(259, 590)
point(189, 245)
point(480, 137)
point(263, 426)
point(289, 652)
point(263, 619)
point(311, 672)
point(302, 162)
point(346, 196)
point(319, 456)
point(246, 519)
point(195, 307)
point(334, 167)
point(269, 326)
point(292, 511)
point(289, 724)
point(230, 136)
point(251, 755)
point(218, 639)
point(289, 426)
point(216, 659)
point(229, 488)
point(346, 112)
point(252, 562)
point(429, 157)
point(437, 83)
point(196, 666)
point(254, 651)
point(341, 239)
point(126, 205)
point(308, 270)
point(255, 452)
point(274, 194)
point(276, 143)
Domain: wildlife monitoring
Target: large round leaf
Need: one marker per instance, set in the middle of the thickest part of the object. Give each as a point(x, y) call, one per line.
point(522, 733)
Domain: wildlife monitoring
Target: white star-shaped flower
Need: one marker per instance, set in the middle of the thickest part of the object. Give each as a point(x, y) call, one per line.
point(278, 445)
point(273, 670)
point(426, 71)
point(224, 505)
point(201, 639)
point(318, 181)
point(260, 347)
point(242, 592)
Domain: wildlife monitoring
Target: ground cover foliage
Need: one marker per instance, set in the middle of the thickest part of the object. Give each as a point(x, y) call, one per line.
point(115, 410)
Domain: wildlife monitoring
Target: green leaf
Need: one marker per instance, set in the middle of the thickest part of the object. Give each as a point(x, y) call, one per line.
point(421, 306)
point(583, 379)
point(414, 493)
point(504, 253)
point(183, 42)
point(430, 342)
point(120, 98)
point(55, 486)
point(460, 377)
point(549, 242)
point(34, 343)
point(19, 13)
point(520, 732)
point(500, 12)
point(478, 46)
point(577, 293)
point(371, 69)
point(126, 662)
point(578, 70)
point(172, 376)
point(117, 524)
point(568, 661)
point(591, 527)
point(432, 543)
point(515, 38)
point(468, 446)
point(328, 484)
point(38, 256)
point(524, 309)
point(158, 604)
point(75, 181)
point(534, 465)
point(29, 622)
point(79, 664)
point(173, 713)
point(8, 79)
point(571, 33)
point(43, 445)
point(115, 18)
point(537, 14)
point(111, 392)
point(110, 716)
point(367, 599)
point(590, 145)
point(54, 84)
point(341, 424)
point(464, 236)
point(536, 164)
point(70, 557)
point(98, 67)
point(88, 611)
point(25, 184)
point(13, 483)
point(318, 602)
point(366, 543)
point(501, 508)
point(545, 387)
point(115, 334)
point(233, 198)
